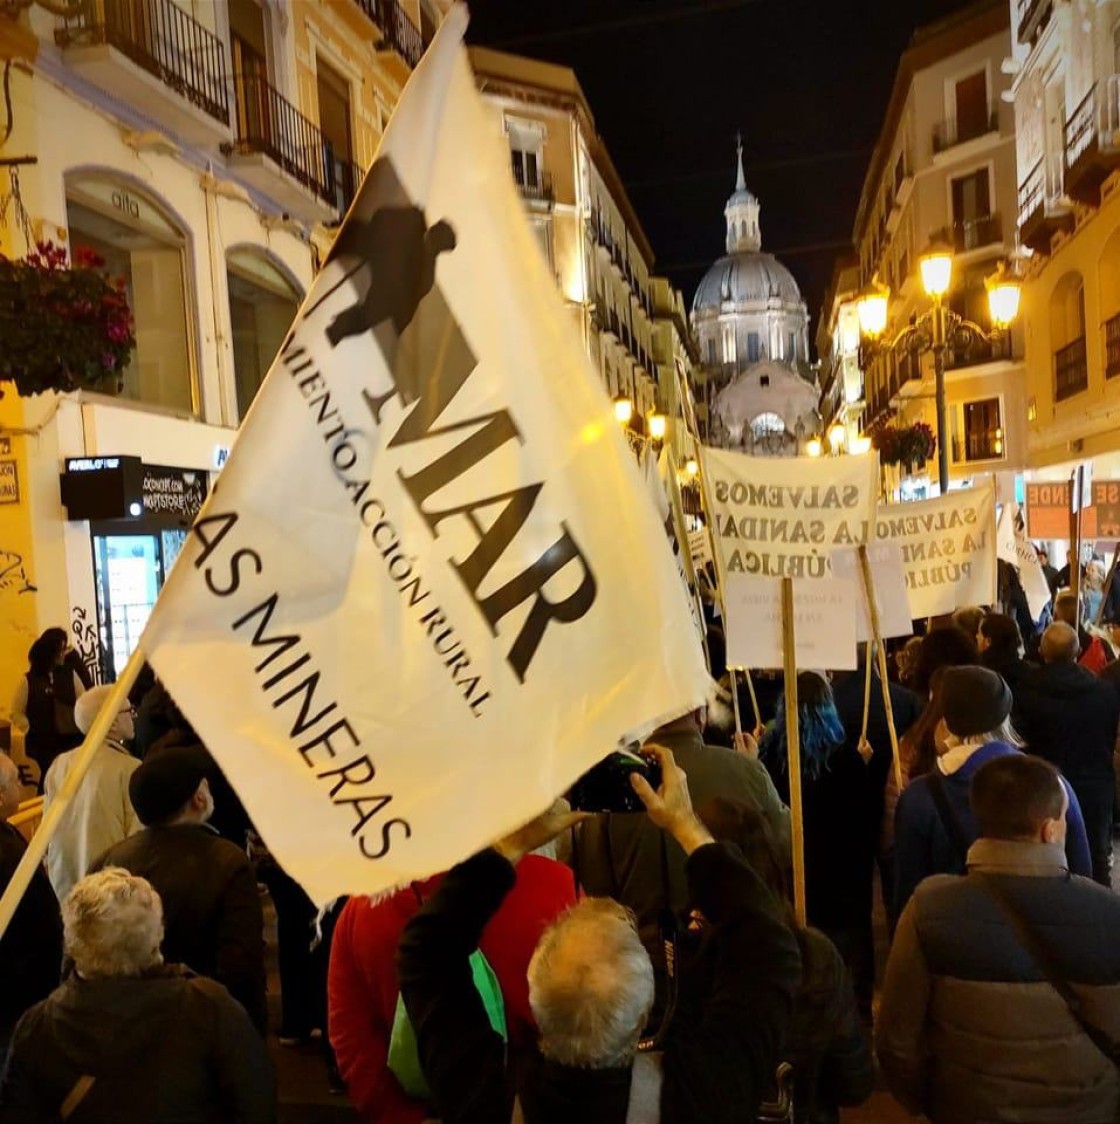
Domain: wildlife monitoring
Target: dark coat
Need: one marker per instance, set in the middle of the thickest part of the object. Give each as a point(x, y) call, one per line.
point(716, 1067)
point(212, 914)
point(31, 949)
point(923, 846)
point(620, 856)
point(163, 1047)
point(826, 1045)
point(1070, 717)
point(969, 1029)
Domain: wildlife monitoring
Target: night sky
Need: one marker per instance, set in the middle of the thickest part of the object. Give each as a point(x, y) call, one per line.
point(671, 81)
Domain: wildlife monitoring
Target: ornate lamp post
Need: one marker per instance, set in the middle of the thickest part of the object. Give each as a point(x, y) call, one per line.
point(939, 328)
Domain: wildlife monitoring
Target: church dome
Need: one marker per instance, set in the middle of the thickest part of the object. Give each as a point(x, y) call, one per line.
point(745, 278)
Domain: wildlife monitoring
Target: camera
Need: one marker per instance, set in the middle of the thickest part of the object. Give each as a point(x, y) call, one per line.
point(606, 786)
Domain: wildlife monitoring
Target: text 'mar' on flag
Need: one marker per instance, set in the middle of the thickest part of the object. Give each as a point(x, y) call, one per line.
point(427, 592)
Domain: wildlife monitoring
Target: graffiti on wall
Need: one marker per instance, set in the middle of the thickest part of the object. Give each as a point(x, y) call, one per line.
point(86, 641)
point(13, 573)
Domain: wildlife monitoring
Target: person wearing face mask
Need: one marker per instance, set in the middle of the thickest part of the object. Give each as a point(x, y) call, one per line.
point(934, 824)
point(100, 812)
point(213, 921)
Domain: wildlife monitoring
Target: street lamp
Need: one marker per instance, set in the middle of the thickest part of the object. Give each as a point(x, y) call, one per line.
point(836, 435)
point(623, 409)
point(657, 427)
point(937, 329)
point(813, 446)
point(861, 445)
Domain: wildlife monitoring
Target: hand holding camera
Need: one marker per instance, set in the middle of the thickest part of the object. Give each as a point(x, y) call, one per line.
point(670, 806)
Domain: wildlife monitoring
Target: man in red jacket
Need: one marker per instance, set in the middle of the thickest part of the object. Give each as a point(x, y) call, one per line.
point(362, 991)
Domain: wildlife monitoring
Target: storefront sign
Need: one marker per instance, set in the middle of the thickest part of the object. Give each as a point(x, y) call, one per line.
point(1106, 501)
point(1048, 510)
point(101, 487)
point(9, 482)
point(173, 491)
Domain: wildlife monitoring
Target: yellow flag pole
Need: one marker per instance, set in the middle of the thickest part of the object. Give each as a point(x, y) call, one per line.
point(793, 748)
point(881, 652)
point(37, 847)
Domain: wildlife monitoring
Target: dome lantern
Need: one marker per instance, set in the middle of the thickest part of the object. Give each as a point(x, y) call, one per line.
point(742, 212)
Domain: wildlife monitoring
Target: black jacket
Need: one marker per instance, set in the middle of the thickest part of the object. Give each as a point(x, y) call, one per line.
point(722, 1048)
point(826, 1045)
point(211, 908)
point(1070, 717)
point(31, 949)
point(164, 1047)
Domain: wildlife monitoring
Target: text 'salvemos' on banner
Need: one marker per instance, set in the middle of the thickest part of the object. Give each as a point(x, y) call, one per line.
point(781, 517)
point(429, 591)
point(948, 549)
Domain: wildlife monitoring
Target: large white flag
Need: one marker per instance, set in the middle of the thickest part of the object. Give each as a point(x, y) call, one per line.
point(1013, 546)
point(428, 591)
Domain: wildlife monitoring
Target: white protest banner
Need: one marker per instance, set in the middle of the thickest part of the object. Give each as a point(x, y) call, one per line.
point(824, 616)
point(1013, 546)
point(888, 576)
point(430, 590)
point(948, 549)
point(781, 517)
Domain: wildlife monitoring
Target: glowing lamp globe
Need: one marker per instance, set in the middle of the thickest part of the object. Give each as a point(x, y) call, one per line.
point(937, 270)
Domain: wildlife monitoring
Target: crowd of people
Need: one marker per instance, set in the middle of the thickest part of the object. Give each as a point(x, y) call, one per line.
point(626, 966)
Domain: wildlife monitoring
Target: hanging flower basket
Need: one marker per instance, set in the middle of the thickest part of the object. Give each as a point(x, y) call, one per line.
point(909, 445)
point(63, 325)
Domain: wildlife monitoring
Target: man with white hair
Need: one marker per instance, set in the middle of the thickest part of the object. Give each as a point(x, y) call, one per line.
point(127, 1037)
point(101, 812)
point(591, 990)
point(31, 948)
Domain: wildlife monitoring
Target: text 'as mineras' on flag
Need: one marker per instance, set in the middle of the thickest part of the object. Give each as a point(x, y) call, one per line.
point(429, 590)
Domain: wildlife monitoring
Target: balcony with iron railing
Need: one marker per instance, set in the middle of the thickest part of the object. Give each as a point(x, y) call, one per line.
point(1033, 17)
point(972, 234)
point(1112, 347)
point(1044, 208)
point(403, 44)
point(1071, 370)
point(1092, 141)
point(152, 53)
point(538, 190)
point(957, 130)
point(282, 153)
point(344, 179)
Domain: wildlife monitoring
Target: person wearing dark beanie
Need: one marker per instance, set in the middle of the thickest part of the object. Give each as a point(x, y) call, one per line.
point(213, 921)
point(934, 825)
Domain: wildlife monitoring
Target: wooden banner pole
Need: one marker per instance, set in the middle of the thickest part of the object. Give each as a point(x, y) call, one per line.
point(867, 657)
point(793, 748)
point(881, 652)
point(37, 847)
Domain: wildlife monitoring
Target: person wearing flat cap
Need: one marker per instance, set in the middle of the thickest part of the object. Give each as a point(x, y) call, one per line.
point(934, 825)
point(212, 911)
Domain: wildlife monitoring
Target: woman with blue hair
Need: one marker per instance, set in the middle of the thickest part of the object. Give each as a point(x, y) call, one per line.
point(841, 821)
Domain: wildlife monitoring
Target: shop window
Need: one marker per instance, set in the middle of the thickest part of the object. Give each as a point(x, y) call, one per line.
point(262, 307)
point(142, 246)
point(983, 431)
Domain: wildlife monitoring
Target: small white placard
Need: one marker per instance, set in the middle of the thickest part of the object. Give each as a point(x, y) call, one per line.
point(824, 611)
point(888, 576)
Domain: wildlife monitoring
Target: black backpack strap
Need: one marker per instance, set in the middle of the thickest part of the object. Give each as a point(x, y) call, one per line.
point(950, 821)
point(1044, 961)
